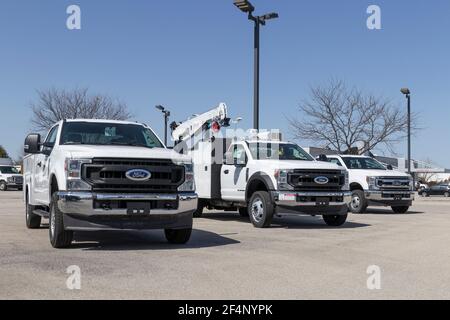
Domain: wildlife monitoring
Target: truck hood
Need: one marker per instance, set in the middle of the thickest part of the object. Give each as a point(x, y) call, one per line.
point(380, 173)
point(296, 164)
point(89, 152)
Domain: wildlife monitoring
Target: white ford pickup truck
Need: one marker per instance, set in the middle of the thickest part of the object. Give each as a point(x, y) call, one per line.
point(90, 175)
point(259, 175)
point(372, 183)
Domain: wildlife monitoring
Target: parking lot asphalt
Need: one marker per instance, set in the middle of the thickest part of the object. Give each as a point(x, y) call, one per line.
point(297, 258)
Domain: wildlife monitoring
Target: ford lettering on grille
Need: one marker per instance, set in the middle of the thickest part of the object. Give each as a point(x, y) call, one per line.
point(321, 180)
point(138, 175)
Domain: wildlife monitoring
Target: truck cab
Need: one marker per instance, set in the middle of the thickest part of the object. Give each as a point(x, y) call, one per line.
point(266, 176)
point(93, 175)
point(374, 184)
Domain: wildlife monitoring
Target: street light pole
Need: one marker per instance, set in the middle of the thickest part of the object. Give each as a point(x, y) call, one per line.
point(166, 121)
point(256, 76)
point(246, 7)
point(407, 93)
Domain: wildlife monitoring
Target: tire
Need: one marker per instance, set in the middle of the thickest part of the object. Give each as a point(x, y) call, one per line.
point(59, 237)
point(3, 186)
point(359, 203)
point(261, 209)
point(335, 221)
point(403, 209)
point(180, 236)
point(20, 189)
point(199, 212)
point(33, 221)
point(243, 212)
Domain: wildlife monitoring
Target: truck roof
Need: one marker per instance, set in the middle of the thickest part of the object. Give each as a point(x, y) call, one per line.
point(347, 156)
point(103, 121)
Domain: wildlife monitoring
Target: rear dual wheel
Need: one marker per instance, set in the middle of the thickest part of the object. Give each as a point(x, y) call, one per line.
point(33, 221)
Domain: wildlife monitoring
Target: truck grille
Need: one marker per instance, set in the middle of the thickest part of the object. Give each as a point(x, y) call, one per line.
point(17, 179)
point(108, 175)
point(393, 183)
point(305, 180)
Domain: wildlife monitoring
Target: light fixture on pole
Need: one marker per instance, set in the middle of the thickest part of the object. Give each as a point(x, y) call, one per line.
point(246, 7)
point(166, 120)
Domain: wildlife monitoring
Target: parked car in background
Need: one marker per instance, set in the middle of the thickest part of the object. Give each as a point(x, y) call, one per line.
point(10, 178)
point(438, 190)
point(372, 183)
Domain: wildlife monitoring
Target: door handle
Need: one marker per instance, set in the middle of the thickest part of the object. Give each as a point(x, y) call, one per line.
point(226, 172)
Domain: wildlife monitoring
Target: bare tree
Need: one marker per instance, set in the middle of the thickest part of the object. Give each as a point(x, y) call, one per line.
point(340, 118)
point(3, 153)
point(54, 105)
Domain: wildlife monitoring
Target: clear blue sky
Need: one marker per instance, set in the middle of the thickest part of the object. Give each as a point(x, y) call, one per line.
point(191, 55)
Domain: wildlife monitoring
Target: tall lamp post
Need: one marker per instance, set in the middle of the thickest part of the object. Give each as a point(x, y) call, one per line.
point(246, 7)
point(166, 120)
point(407, 93)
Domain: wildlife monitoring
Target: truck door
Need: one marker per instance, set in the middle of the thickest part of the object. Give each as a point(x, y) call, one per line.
point(41, 177)
point(234, 174)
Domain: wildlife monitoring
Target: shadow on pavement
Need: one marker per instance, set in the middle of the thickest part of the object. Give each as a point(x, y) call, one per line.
point(388, 212)
point(287, 221)
point(144, 240)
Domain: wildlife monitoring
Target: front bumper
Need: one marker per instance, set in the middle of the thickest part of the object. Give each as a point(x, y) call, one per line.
point(81, 212)
point(312, 203)
point(14, 185)
point(390, 198)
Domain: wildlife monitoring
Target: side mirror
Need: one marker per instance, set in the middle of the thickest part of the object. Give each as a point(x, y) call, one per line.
point(389, 167)
point(323, 158)
point(32, 143)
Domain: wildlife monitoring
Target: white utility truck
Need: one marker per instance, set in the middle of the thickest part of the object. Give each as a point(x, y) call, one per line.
point(10, 177)
point(259, 175)
point(91, 175)
point(372, 183)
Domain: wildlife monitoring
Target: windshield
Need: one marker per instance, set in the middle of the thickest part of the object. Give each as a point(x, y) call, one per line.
point(9, 170)
point(92, 133)
point(363, 163)
point(278, 151)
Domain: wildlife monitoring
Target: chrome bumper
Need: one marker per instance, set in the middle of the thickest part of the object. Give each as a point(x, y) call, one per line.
point(290, 199)
point(382, 196)
point(82, 203)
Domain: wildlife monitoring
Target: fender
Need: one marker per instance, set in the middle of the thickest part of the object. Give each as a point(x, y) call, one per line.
point(262, 177)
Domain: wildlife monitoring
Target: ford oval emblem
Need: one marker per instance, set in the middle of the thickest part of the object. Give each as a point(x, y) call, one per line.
point(138, 175)
point(321, 180)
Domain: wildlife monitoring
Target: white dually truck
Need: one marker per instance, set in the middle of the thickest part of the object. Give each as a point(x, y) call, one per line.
point(259, 176)
point(375, 184)
point(92, 175)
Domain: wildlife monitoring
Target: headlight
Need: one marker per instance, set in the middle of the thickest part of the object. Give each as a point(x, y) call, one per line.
point(189, 181)
point(372, 182)
point(347, 180)
point(282, 179)
point(10, 180)
point(73, 174)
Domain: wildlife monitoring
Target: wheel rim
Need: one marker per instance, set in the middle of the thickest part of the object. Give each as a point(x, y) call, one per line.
point(356, 202)
point(2, 187)
point(52, 223)
point(257, 209)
